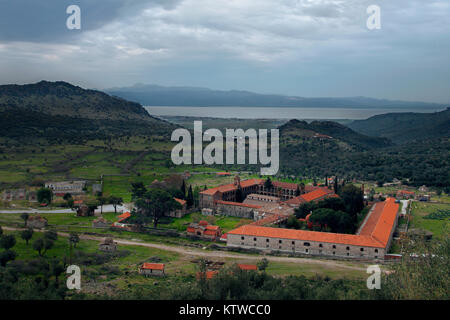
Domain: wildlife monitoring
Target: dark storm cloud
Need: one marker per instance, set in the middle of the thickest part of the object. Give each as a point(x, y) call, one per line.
point(45, 20)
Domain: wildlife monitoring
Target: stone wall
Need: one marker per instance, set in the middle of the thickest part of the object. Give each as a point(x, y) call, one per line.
point(304, 247)
point(235, 210)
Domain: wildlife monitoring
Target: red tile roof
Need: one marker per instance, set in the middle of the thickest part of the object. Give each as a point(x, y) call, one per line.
point(231, 186)
point(247, 267)
point(223, 174)
point(180, 201)
point(317, 194)
point(124, 216)
point(378, 237)
point(285, 185)
point(405, 192)
point(209, 274)
point(153, 266)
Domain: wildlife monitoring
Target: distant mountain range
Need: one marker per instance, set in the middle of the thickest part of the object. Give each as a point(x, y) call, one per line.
point(154, 95)
point(406, 127)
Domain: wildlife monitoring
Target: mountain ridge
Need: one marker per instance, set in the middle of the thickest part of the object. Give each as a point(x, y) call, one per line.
point(406, 127)
point(155, 95)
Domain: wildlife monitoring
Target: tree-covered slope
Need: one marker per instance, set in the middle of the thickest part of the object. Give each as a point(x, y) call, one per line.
point(406, 127)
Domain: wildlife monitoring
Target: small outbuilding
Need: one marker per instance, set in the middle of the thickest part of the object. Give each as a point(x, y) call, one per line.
point(100, 223)
point(248, 267)
point(36, 222)
point(107, 245)
point(152, 269)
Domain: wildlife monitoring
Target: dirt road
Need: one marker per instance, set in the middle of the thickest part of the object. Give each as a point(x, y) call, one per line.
point(218, 254)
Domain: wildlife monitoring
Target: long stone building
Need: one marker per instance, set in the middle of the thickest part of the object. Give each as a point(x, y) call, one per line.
point(372, 241)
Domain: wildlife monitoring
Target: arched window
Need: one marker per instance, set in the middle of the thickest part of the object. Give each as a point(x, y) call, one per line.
point(306, 244)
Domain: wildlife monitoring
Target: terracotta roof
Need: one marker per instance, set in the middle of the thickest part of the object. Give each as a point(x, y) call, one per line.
point(315, 195)
point(180, 201)
point(285, 185)
point(209, 274)
point(190, 229)
point(223, 174)
point(378, 237)
point(209, 227)
point(405, 192)
point(231, 186)
point(153, 266)
point(203, 223)
point(383, 228)
point(231, 203)
point(210, 232)
point(247, 267)
point(251, 230)
point(124, 216)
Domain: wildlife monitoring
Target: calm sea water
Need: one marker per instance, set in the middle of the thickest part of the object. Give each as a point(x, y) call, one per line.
point(276, 113)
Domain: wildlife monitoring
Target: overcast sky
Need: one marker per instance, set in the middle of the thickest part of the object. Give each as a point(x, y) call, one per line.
point(311, 48)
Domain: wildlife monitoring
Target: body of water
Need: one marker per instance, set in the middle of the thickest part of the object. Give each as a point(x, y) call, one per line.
point(276, 113)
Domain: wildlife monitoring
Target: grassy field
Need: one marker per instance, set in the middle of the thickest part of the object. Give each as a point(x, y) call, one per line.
point(439, 228)
point(120, 272)
point(226, 223)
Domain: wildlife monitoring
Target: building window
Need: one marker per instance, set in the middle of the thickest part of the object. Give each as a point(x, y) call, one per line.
point(348, 253)
point(267, 240)
point(306, 244)
point(376, 250)
point(320, 245)
point(242, 238)
point(306, 250)
point(254, 239)
point(279, 247)
point(280, 241)
point(334, 252)
point(293, 242)
point(334, 246)
point(348, 248)
point(362, 249)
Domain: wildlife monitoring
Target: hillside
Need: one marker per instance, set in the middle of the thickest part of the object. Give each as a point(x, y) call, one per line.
point(406, 127)
point(326, 148)
point(59, 110)
point(330, 132)
point(63, 99)
point(154, 95)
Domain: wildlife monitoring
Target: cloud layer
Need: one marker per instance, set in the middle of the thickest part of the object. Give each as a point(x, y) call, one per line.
point(301, 47)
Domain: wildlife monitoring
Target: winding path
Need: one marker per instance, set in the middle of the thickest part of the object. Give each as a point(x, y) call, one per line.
point(215, 253)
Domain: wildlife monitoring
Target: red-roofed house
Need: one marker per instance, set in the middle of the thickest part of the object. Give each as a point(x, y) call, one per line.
point(152, 269)
point(247, 267)
point(179, 213)
point(207, 275)
point(315, 195)
point(123, 217)
point(405, 194)
point(204, 230)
